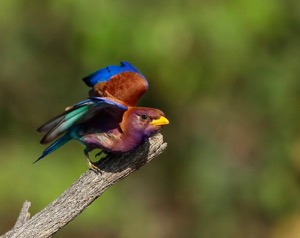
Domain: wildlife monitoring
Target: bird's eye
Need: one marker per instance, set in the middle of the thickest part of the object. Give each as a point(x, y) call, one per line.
point(144, 117)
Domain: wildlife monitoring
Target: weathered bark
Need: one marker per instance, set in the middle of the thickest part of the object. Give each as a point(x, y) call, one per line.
point(83, 192)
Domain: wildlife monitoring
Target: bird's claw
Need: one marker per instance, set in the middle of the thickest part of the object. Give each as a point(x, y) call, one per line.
point(94, 167)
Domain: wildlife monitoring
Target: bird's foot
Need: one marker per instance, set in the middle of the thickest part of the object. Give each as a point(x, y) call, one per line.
point(94, 167)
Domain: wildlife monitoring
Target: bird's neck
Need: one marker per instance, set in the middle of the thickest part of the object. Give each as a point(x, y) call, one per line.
point(129, 141)
point(130, 136)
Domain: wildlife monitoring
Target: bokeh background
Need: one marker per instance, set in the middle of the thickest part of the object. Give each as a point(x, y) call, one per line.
point(226, 73)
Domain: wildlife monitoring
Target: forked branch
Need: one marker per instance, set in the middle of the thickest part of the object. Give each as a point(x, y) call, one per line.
point(83, 192)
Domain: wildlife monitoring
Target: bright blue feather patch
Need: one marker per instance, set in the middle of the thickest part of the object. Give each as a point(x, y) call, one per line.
point(107, 101)
point(103, 75)
point(100, 101)
point(55, 145)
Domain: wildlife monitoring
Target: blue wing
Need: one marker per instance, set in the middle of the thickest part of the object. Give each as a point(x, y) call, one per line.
point(103, 75)
point(80, 112)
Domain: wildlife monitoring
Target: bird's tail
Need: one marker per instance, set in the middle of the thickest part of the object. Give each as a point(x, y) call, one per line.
point(55, 145)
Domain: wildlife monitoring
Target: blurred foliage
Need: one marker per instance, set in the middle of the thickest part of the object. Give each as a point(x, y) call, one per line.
point(226, 73)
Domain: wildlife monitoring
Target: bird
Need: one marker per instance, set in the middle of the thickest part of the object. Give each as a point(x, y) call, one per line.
point(109, 119)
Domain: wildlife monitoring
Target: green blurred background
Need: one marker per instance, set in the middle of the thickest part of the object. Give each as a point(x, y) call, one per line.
point(226, 73)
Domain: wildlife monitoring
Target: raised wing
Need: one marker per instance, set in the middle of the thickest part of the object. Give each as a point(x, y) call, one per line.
point(124, 83)
point(104, 75)
point(84, 111)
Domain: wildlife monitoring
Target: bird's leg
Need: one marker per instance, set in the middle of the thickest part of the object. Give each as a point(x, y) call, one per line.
point(91, 165)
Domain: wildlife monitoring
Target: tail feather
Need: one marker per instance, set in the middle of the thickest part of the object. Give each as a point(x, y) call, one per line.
point(55, 145)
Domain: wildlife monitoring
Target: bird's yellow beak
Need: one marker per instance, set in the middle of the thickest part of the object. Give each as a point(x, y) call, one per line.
point(160, 121)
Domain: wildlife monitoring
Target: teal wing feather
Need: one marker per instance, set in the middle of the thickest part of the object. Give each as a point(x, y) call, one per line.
point(80, 112)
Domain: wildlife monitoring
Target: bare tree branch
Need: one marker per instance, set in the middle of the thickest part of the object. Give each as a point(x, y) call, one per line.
point(83, 192)
point(24, 215)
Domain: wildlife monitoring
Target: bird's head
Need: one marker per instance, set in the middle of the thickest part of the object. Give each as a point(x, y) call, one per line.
point(143, 122)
